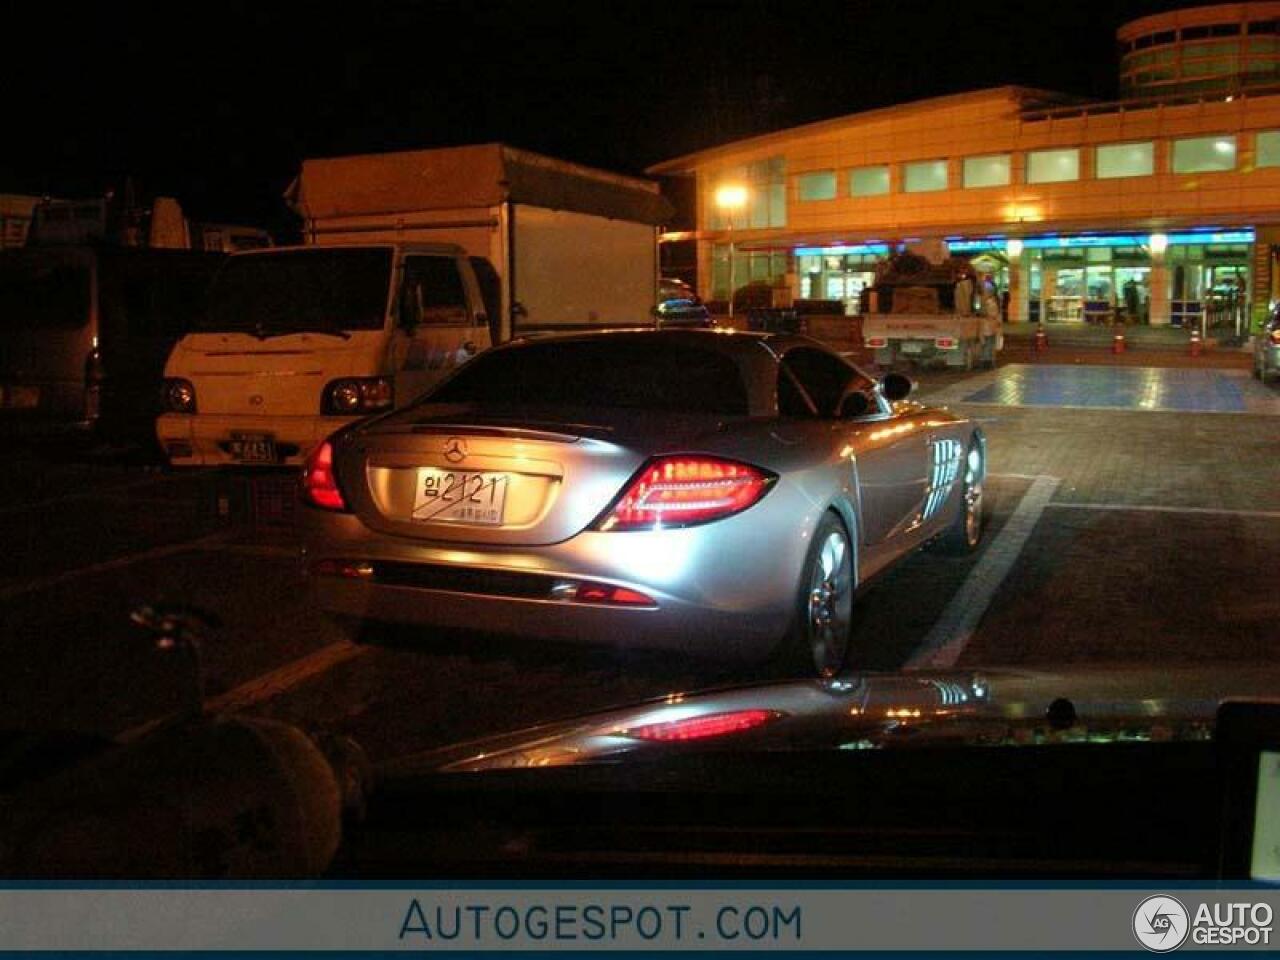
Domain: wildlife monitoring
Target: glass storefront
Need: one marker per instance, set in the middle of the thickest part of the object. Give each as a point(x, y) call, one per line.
point(1108, 284)
point(1086, 278)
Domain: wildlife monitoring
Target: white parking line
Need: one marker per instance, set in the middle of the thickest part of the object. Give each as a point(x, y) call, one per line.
point(156, 553)
point(91, 494)
point(942, 647)
point(264, 687)
point(213, 543)
point(1163, 508)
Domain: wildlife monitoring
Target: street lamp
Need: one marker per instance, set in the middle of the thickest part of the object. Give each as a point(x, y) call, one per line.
point(730, 198)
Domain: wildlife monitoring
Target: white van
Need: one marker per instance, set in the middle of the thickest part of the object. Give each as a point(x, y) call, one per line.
point(298, 341)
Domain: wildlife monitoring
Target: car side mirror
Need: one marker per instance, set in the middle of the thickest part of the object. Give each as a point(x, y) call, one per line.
point(855, 404)
point(896, 387)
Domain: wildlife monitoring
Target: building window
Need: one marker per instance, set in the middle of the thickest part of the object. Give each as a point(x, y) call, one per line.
point(1125, 160)
point(924, 176)
point(1204, 154)
point(766, 206)
point(769, 267)
point(1268, 149)
point(991, 171)
point(869, 181)
point(1053, 166)
point(817, 186)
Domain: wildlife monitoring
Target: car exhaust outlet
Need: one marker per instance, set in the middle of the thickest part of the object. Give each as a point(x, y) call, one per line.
point(606, 594)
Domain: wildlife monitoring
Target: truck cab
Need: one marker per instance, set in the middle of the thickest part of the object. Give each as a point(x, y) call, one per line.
point(296, 342)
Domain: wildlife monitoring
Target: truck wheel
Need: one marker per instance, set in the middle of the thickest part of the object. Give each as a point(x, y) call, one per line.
point(989, 353)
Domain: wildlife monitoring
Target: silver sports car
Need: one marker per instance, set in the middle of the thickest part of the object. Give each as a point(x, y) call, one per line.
point(714, 492)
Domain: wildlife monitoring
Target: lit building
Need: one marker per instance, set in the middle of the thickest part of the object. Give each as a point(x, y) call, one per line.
point(1159, 207)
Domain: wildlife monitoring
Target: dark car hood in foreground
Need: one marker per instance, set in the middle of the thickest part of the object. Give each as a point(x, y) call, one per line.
point(995, 707)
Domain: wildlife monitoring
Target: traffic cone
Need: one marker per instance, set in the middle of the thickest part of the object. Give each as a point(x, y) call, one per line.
point(1117, 341)
point(1041, 342)
point(1196, 344)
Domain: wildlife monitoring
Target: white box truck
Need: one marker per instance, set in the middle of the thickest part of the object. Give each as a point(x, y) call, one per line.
point(572, 247)
point(413, 263)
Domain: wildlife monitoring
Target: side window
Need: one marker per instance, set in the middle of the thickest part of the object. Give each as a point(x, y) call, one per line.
point(824, 377)
point(791, 400)
point(436, 283)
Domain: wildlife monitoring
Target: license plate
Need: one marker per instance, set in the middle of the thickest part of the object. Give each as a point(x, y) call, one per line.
point(253, 447)
point(458, 496)
point(912, 346)
point(21, 398)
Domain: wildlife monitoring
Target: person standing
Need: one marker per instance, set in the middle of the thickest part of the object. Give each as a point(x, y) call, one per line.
point(964, 296)
point(1131, 300)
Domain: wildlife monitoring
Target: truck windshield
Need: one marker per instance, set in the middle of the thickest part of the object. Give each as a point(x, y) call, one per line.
point(327, 290)
point(42, 291)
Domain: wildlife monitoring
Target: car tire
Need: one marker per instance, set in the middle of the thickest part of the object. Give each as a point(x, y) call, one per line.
point(965, 532)
point(819, 639)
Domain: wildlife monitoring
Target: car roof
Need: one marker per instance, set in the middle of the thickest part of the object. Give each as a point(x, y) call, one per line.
point(726, 340)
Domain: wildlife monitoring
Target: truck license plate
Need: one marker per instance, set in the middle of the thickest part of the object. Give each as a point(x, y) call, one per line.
point(457, 496)
point(253, 447)
point(912, 346)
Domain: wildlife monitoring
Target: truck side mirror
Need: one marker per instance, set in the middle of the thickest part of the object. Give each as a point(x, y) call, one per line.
point(896, 387)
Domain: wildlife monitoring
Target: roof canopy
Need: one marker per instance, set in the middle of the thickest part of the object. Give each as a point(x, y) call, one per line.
point(453, 178)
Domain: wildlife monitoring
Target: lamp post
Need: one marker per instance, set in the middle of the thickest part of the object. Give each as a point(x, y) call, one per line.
point(730, 198)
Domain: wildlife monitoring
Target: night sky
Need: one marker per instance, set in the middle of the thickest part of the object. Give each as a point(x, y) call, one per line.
point(217, 103)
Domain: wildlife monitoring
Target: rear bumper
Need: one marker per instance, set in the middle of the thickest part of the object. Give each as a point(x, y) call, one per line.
point(203, 440)
point(672, 626)
point(719, 590)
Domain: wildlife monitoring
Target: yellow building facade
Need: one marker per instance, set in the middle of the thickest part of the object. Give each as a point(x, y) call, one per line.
point(1157, 208)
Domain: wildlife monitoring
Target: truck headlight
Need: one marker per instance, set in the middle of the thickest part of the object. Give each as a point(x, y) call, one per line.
point(179, 395)
point(353, 396)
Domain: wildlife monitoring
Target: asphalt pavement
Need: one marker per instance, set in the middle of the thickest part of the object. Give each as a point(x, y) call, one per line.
point(1144, 528)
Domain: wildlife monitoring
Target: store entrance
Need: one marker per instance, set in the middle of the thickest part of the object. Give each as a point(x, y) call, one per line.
point(1096, 285)
point(841, 277)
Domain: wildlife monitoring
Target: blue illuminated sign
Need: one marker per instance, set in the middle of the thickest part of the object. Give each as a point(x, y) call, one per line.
point(1050, 241)
point(1224, 236)
point(880, 248)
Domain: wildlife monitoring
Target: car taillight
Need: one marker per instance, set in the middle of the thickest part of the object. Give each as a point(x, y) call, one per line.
point(945, 343)
point(702, 727)
point(319, 485)
point(352, 396)
point(877, 341)
point(685, 490)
